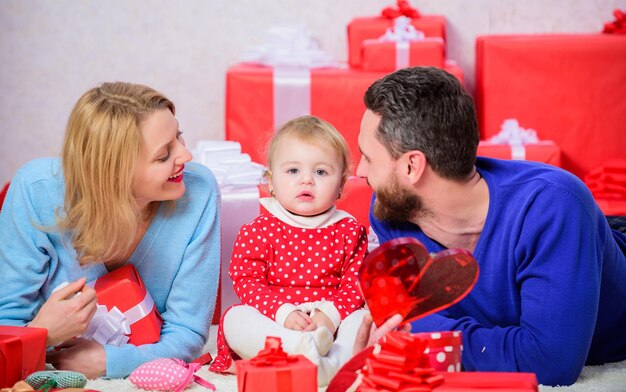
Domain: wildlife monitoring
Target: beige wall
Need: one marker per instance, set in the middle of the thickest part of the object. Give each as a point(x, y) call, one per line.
point(51, 51)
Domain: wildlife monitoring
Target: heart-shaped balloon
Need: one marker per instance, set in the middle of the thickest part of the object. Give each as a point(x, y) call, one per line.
point(400, 276)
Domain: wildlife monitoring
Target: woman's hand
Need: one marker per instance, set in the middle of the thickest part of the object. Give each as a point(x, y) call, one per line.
point(66, 314)
point(79, 355)
point(297, 320)
point(368, 334)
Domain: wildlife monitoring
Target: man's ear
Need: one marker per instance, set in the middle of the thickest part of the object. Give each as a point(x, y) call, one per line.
point(414, 165)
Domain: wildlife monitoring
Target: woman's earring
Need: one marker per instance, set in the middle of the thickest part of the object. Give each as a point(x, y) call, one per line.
point(272, 192)
point(339, 195)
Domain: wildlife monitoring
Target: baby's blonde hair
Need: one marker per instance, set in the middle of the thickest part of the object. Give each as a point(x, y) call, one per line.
point(314, 130)
point(100, 150)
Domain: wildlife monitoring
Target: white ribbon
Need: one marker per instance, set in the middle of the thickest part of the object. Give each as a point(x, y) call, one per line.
point(292, 93)
point(514, 135)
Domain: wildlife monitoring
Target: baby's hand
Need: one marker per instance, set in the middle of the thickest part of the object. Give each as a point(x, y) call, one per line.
point(297, 320)
point(320, 319)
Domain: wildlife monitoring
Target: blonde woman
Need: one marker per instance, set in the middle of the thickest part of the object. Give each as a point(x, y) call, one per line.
point(123, 192)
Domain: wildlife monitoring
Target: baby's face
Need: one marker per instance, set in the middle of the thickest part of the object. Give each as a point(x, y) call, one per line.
point(306, 178)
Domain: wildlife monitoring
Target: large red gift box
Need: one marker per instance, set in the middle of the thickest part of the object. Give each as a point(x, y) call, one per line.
point(570, 88)
point(364, 28)
point(22, 352)
point(381, 56)
point(334, 94)
point(272, 370)
point(544, 151)
point(124, 289)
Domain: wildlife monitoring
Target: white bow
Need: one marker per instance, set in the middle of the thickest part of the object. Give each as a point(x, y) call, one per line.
point(402, 31)
point(511, 133)
point(290, 46)
point(108, 327)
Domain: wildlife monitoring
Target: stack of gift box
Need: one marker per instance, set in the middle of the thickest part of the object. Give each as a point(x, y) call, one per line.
point(569, 87)
point(290, 76)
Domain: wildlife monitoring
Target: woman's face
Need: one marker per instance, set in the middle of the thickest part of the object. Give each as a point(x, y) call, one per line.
point(159, 171)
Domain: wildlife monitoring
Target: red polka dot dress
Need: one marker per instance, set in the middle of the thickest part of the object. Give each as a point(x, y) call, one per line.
point(276, 265)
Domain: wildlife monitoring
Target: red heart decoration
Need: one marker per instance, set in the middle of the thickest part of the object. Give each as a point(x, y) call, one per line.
point(400, 276)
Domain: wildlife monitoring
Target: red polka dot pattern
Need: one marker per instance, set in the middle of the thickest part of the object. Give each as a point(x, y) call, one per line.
point(444, 350)
point(274, 263)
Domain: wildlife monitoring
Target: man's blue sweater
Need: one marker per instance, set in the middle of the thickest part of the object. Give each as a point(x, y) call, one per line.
point(551, 295)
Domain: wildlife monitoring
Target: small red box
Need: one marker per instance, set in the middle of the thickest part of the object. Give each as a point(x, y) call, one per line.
point(297, 376)
point(124, 289)
point(379, 56)
point(545, 151)
point(22, 352)
point(361, 29)
point(443, 350)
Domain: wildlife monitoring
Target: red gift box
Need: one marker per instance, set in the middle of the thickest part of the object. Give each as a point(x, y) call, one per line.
point(124, 289)
point(569, 87)
point(334, 94)
point(22, 352)
point(397, 364)
point(272, 370)
point(361, 29)
point(491, 381)
point(443, 349)
point(544, 151)
point(379, 56)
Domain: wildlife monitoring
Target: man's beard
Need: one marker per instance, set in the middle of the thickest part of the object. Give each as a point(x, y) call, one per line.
point(396, 204)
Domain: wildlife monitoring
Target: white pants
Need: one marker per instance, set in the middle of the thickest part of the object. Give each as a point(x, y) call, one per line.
point(245, 330)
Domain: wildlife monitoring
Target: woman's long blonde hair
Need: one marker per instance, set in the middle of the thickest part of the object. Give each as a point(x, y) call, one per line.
point(100, 150)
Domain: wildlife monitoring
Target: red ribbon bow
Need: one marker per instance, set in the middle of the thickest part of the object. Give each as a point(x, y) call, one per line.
point(399, 365)
point(404, 9)
point(618, 26)
point(272, 354)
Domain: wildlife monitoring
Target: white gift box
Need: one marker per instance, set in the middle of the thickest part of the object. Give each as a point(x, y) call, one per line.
point(238, 178)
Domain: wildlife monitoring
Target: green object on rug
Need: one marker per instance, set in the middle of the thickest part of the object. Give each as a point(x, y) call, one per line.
point(48, 379)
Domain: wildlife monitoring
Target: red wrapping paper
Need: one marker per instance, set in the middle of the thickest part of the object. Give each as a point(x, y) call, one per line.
point(22, 352)
point(3, 193)
point(380, 56)
point(361, 29)
point(546, 152)
point(272, 370)
point(336, 95)
point(569, 87)
point(124, 289)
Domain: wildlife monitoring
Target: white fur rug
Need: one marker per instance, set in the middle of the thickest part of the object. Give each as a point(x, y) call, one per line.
point(606, 378)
